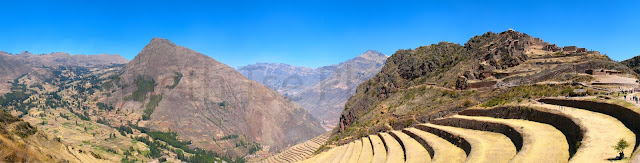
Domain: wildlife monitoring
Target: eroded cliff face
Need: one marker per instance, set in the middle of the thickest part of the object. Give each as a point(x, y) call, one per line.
point(202, 99)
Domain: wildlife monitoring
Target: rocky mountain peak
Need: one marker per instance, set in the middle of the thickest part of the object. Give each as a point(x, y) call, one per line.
point(372, 55)
point(159, 46)
point(212, 99)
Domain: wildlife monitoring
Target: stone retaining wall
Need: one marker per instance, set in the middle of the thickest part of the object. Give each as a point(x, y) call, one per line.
point(453, 139)
point(506, 130)
point(568, 127)
point(628, 117)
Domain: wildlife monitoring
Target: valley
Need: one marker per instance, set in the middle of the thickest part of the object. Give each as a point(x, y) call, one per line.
point(501, 97)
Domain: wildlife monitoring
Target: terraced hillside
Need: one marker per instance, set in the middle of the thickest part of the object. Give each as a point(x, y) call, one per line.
point(298, 152)
point(543, 130)
point(418, 85)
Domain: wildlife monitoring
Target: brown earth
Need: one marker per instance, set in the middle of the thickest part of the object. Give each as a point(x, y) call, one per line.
point(210, 101)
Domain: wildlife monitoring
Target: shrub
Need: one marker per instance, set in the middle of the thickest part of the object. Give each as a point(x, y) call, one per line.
point(151, 106)
point(176, 80)
point(622, 144)
point(24, 129)
point(143, 87)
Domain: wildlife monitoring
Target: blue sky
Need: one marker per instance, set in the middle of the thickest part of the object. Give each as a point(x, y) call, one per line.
point(308, 33)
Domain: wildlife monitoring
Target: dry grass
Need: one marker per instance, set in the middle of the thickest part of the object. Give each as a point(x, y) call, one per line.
point(486, 147)
point(601, 132)
point(443, 150)
point(541, 142)
point(14, 151)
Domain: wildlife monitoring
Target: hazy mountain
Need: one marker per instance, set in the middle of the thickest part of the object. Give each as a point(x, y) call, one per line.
point(326, 99)
point(322, 91)
point(203, 100)
point(286, 79)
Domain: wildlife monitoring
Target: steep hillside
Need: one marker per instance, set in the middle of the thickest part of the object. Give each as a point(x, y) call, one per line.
point(633, 63)
point(286, 79)
point(171, 88)
point(417, 85)
point(325, 100)
point(21, 142)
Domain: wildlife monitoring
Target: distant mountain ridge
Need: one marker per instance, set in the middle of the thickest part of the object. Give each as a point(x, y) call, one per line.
point(324, 90)
point(14, 65)
point(286, 79)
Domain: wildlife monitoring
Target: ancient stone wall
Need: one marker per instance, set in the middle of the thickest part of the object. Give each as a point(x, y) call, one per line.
point(508, 131)
point(453, 139)
point(420, 140)
point(482, 84)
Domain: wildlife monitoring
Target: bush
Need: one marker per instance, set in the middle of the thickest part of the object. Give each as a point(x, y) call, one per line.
point(622, 144)
point(151, 106)
point(24, 129)
point(6, 117)
point(103, 106)
point(176, 80)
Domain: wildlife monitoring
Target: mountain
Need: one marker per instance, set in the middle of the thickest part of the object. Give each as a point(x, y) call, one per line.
point(286, 79)
point(167, 87)
point(15, 65)
point(323, 91)
point(428, 82)
point(325, 100)
point(633, 63)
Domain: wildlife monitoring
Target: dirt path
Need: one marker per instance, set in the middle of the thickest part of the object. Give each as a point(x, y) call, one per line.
point(601, 132)
point(541, 142)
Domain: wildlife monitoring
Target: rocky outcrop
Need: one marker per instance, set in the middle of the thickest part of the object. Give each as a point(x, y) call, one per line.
point(498, 51)
point(210, 100)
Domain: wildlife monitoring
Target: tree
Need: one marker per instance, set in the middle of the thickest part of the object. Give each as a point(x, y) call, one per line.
point(622, 144)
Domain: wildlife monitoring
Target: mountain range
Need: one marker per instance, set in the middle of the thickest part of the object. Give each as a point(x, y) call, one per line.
point(322, 91)
point(14, 65)
point(171, 103)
